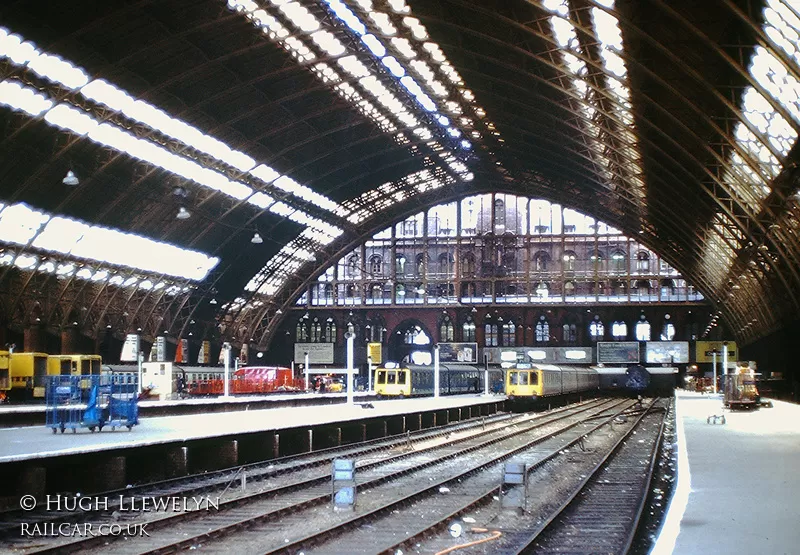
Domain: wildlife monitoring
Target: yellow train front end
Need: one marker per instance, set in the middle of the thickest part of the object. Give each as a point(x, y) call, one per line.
point(523, 382)
point(392, 381)
point(28, 374)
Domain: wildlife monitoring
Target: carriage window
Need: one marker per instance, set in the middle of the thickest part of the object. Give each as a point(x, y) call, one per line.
point(523, 378)
point(382, 376)
point(513, 378)
point(534, 378)
point(401, 377)
point(392, 377)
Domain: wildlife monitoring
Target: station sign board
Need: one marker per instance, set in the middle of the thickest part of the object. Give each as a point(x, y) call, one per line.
point(704, 350)
point(458, 352)
point(375, 352)
point(666, 352)
point(618, 352)
point(318, 353)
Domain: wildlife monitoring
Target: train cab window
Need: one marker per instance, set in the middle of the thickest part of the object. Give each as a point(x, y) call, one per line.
point(534, 378)
point(523, 378)
point(382, 377)
point(401, 377)
point(392, 377)
point(513, 378)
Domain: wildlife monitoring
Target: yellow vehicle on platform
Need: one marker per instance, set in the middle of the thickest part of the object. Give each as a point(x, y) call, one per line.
point(74, 365)
point(28, 374)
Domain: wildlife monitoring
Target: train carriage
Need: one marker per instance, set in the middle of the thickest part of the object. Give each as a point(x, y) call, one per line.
point(395, 380)
point(546, 380)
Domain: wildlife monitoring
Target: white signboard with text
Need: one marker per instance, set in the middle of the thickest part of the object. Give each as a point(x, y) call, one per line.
point(318, 353)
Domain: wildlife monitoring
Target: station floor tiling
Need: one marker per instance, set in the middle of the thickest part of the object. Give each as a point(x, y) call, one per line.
point(31, 442)
point(738, 489)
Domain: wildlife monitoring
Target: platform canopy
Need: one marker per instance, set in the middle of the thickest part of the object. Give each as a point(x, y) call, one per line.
point(182, 165)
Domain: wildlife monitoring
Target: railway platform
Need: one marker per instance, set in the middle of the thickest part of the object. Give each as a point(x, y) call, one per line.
point(38, 461)
point(737, 489)
point(33, 414)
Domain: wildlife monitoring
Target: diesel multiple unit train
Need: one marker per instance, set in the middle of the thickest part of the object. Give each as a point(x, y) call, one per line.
point(522, 381)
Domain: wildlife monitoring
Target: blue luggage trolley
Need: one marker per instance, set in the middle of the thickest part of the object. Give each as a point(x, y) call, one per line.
point(73, 402)
point(122, 408)
point(91, 402)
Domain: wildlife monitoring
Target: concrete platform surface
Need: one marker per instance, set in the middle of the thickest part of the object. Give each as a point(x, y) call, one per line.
point(738, 487)
point(32, 442)
point(232, 400)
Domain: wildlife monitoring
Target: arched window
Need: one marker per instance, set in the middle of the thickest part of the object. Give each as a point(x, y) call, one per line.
point(667, 329)
point(540, 261)
point(375, 291)
point(596, 329)
point(352, 267)
point(667, 288)
point(569, 260)
point(499, 216)
point(350, 291)
point(446, 264)
point(569, 288)
point(375, 265)
point(421, 263)
point(597, 260)
point(570, 333)
point(467, 264)
point(330, 331)
point(352, 329)
point(642, 286)
point(619, 288)
point(643, 262)
point(316, 331)
point(642, 329)
point(400, 264)
point(542, 331)
point(468, 290)
point(619, 330)
point(468, 330)
point(446, 330)
point(542, 290)
point(509, 334)
point(490, 334)
point(301, 331)
point(618, 261)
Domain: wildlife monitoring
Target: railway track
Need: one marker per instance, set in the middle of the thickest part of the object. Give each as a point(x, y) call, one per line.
point(404, 525)
point(607, 508)
point(214, 481)
point(588, 501)
point(285, 505)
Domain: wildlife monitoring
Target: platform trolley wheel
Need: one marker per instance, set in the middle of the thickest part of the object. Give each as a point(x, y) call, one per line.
point(55, 430)
point(130, 427)
point(74, 430)
point(91, 428)
point(113, 428)
point(99, 427)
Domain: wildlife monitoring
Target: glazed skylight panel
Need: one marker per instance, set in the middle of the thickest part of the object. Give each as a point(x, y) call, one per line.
point(25, 226)
point(15, 94)
point(384, 27)
point(751, 178)
point(607, 31)
point(565, 36)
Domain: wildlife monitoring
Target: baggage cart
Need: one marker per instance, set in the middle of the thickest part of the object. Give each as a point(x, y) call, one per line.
point(91, 401)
